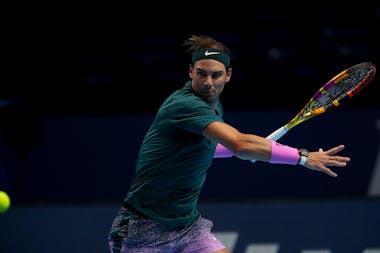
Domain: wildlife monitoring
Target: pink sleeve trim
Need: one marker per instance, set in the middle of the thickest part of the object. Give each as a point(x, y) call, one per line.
point(222, 152)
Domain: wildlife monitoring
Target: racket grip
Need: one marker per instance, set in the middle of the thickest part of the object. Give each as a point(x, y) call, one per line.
point(277, 134)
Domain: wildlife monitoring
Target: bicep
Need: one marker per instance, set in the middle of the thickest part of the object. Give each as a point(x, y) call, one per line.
point(222, 133)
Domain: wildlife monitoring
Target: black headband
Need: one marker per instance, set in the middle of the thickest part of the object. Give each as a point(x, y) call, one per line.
point(211, 53)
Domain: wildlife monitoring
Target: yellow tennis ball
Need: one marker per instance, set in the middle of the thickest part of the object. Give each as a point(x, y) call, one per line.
point(5, 202)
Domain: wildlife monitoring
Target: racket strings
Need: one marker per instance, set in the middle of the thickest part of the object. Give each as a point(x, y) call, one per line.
point(354, 79)
point(341, 87)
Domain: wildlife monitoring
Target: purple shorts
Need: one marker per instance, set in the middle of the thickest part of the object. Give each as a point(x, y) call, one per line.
point(131, 233)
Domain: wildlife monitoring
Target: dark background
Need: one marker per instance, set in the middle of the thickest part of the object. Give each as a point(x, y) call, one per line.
point(80, 85)
point(103, 59)
point(279, 57)
point(117, 64)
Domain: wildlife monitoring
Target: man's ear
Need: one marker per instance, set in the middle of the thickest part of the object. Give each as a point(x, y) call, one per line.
point(191, 70)
point(229, 73)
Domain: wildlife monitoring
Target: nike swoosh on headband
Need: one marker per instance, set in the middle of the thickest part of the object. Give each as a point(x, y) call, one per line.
point(210, 53)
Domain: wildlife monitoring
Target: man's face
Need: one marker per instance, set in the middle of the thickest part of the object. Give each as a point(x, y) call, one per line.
point(208, 79)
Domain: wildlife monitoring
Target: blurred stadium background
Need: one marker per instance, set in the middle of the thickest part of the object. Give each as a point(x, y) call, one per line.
point(81, 87)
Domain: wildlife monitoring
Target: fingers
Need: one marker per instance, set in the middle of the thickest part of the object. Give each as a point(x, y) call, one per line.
point(324, 169)
point(323, 160)
point(330, 172)
point(329, 157)
point(336, 161)
point(335, 150)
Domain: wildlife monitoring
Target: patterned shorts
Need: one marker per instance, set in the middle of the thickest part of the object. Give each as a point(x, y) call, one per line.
point(132, 233)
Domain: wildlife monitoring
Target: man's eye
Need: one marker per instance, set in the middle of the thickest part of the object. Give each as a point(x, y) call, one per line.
point(216, 75)
point(202, 73)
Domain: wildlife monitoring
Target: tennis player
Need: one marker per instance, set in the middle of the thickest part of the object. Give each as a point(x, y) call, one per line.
point(159, 213)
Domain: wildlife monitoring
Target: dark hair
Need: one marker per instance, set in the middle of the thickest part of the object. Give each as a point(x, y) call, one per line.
point(198, 42)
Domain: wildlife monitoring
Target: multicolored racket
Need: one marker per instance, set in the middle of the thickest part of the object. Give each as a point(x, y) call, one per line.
point(340, 88)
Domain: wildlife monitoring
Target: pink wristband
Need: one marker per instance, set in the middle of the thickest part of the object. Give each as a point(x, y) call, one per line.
point(283, 154)
point(222, 152)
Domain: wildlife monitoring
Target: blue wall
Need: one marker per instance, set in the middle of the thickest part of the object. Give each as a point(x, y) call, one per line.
point(340, 226)
point(91, 159)
point(66, 188)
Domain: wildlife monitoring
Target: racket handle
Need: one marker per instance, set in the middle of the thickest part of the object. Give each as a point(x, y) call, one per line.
point(274, 136)
point(278, 133)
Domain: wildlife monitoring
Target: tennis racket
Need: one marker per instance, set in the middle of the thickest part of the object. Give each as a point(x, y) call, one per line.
point(338, 90)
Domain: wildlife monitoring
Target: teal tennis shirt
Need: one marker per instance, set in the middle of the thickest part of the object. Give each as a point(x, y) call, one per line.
point(173, 160)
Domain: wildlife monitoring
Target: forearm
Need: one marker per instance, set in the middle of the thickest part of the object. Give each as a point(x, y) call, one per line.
point(263, 150)
point(250, 147)
point(245, 147)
